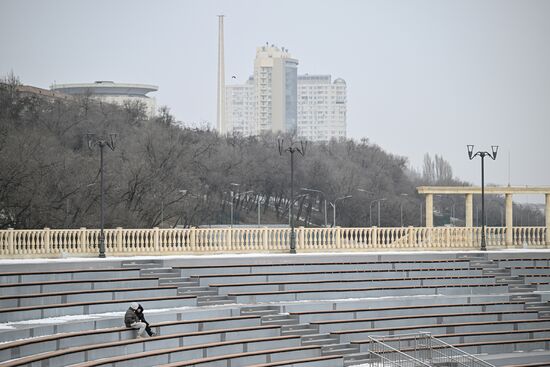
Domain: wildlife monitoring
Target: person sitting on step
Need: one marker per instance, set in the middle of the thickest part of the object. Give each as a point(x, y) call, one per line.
point(134, 319)
point(141, 317)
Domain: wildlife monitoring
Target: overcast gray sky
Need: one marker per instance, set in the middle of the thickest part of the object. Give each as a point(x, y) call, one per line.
point(423, 76)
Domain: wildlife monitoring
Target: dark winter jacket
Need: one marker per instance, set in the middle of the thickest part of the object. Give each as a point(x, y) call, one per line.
point(140, 316)
point(130, 317)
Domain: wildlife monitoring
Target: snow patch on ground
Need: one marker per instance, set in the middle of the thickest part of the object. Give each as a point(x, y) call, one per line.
point(246, 255)
point(71, 318)
point(120, 314)
point(61, 319)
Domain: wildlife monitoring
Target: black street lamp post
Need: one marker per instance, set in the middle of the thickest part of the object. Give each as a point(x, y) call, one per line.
point(232, 200)
point(401, 207)
point(493, 156)
point(324, 199)
point(238, 196)
point(183, 193)
point(334, 207)
point(368, 193)
point(102, 143)
point(370, 210)
point(291, 149)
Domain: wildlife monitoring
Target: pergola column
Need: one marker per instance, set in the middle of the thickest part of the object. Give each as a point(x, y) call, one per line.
point(510, 220)
point(429, 210)
point(469, 210)
point(547, 214)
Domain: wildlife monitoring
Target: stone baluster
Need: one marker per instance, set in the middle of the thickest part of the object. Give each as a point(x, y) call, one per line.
point(119, 244)
point(46, 237)
point(156, 239)
point(338, 239)
point(193, 238)
point(267, 236)
point(469, 210)
point(11, 242)
point(301, 238)
point(509, 220)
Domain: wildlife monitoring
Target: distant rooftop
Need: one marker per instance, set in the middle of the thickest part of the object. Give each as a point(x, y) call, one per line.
point(317, 78)
point(105, 87)
point(273, 51)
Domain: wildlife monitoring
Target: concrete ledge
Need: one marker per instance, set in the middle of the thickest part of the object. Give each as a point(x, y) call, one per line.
point(230, 327)
point(74, 285)
point(324, 361)
point(358, 313)
point(189, 315)
point(334, 275)
point(196, 354)
point(38, 299)
point(312, 265)
point(494, 347)
point(326, 326)
point(92, 307)
point(339, 293)
point(69, 274)
point(519, 359)
point(249, 357)
point(304, 285)
point(361, 335)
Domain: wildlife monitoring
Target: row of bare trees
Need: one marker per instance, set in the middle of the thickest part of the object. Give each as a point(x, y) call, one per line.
point(161, 174)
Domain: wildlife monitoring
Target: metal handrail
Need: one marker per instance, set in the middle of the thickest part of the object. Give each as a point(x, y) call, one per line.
point(443, 351)
point(404, 355)
point(447, 345)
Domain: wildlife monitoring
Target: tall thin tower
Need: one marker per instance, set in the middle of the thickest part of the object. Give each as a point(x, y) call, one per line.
point(221, 79)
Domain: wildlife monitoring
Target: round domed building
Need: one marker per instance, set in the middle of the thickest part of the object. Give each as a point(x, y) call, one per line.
point(111, 92)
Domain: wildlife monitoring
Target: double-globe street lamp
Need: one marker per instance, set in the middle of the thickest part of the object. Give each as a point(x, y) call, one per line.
point(233, 196)
point(493, 156)
point(370, 210)
point(324, 199)
point(183, 193)
point(401, 207)
point(368, 193)
point(334, 207)
point(101, 143)
point(302, 151)
point(296, 199)
point(260, 206)
point(237, 195)
point(331, 204)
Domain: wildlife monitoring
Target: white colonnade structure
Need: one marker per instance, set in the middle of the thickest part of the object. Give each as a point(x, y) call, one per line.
point(469, 191)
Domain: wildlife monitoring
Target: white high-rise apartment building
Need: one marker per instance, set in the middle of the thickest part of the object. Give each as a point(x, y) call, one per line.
point(239, 108)
point(276, 99)
point(321, 108)
point(275, 90)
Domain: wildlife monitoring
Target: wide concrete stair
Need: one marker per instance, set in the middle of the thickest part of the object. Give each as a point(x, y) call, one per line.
point(47, 293)
point(186, 286)
point(303, 310)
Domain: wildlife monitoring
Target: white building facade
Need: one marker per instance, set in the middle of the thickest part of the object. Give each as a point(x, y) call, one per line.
point(321, 108)
point(240, 104)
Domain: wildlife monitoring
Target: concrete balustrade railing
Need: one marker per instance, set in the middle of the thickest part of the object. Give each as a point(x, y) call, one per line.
point(122, 241)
